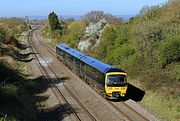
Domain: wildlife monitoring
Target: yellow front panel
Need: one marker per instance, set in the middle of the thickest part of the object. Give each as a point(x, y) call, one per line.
point(109, 89)
point(121, 90)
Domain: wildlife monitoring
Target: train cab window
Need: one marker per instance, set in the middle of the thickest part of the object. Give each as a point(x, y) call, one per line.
point(116, 80)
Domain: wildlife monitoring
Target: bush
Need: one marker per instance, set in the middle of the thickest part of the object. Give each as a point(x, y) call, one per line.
point(74, 34)
point(107, 41)
point(122, 33)
point(169, 50)
point(3, 118)
point(9, 91)
point(2, 35)
point(119, 54)
point(22, 28)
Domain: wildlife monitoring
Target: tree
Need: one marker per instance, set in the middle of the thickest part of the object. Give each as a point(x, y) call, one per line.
point(96, 16)
point(76, 29)
point(92, 35)
point(94, 29)
point(54, 21)
point(74, 33)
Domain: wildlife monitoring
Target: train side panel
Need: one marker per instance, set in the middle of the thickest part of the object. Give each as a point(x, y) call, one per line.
point(90, 74)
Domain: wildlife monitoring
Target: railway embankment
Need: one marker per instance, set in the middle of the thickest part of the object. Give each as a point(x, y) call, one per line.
point(17, 91)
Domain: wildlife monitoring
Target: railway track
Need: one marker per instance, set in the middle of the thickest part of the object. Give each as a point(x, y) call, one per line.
point(130, 113)
point(58, 93)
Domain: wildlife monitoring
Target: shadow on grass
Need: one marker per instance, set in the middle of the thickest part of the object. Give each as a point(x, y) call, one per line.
point(10, 50)
point(23, 57)
point(16, 54)
point(134, 93)
point(25, 60)
point(57, 113)
point(16, 100)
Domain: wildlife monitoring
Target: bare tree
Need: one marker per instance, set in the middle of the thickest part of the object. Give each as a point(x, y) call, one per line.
point(96, 16)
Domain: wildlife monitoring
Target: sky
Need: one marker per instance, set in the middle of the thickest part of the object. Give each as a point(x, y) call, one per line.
point(20, 8)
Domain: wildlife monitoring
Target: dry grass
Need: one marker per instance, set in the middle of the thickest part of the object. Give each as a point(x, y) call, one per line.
point(161, 101)
point(166, 107)
point(9, 62)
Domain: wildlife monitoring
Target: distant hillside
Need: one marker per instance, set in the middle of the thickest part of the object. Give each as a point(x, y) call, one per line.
point(125, 17)
point(37, 17)
point(76, 17)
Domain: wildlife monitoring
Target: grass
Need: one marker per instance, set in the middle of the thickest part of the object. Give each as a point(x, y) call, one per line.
point(166, 107)
point(51, 41)
point(23, 68)
point(163, 104)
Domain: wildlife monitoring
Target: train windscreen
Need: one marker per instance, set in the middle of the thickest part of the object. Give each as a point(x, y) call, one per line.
point(116, 80)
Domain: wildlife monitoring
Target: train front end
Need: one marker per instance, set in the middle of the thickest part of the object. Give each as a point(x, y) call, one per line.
point(116, 85)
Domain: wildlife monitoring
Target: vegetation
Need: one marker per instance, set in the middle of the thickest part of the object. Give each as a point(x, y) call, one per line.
point(169, 50)
point(17, 100)
point(74, 33)
point(2, 35)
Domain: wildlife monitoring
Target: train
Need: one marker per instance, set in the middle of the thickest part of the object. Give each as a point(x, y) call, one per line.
point(111, 80)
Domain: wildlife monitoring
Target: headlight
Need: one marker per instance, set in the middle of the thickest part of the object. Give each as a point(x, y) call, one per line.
point(110, 88)
point(123, 88)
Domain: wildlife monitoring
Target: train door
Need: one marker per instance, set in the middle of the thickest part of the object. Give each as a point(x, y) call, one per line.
point(82, 69)
point(77, 66)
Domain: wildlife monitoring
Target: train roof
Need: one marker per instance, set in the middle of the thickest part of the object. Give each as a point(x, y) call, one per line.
point(99, 65)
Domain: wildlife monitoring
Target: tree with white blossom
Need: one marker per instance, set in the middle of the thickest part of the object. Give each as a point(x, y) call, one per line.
point(92, 35)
